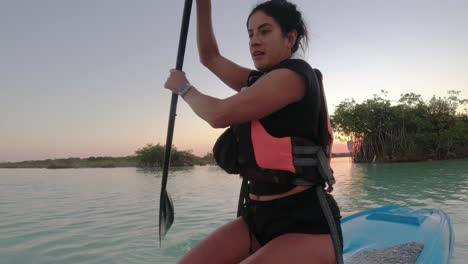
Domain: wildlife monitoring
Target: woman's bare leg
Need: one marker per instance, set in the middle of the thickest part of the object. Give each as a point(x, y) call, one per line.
point(228, 244)
point(296, 249)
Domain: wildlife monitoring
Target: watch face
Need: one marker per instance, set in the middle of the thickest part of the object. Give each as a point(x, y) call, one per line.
point(184, 89)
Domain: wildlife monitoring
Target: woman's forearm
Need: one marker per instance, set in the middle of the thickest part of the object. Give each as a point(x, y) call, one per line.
point(206, 41)
point(206, 107)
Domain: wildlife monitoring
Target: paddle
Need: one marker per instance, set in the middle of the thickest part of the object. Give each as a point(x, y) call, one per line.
point(166, 208)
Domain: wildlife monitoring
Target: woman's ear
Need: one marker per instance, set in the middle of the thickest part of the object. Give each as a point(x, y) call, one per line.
point(291, 36)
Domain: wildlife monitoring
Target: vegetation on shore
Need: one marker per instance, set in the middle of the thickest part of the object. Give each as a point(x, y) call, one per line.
point(153, 156)
point(148, 156)
point(409, 130)
point(91, 162)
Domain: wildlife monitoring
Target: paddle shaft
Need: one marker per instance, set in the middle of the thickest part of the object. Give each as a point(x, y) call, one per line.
point(172, 112)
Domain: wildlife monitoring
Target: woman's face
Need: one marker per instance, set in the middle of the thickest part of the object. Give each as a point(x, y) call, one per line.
point(268, 45)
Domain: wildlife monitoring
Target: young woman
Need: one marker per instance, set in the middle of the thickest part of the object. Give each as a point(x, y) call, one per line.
point(282, 222)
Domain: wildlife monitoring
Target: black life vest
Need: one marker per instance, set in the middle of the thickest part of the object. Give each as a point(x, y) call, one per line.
point(282, 160)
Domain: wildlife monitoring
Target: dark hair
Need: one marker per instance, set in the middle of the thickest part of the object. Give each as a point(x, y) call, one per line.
point(288, 17)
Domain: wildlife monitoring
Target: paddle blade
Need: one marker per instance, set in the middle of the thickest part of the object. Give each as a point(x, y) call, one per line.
point(166, 214)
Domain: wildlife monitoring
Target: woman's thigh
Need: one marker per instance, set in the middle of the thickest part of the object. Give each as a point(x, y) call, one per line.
point(296, 249)
point(228, 244)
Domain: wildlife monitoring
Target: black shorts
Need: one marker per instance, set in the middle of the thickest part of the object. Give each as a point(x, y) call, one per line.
point(297, 213)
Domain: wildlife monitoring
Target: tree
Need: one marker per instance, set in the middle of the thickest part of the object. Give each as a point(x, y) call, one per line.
point(410, 130)
point(151, 155)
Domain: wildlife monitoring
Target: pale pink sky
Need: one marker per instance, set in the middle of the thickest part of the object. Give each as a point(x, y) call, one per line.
point(84, 78)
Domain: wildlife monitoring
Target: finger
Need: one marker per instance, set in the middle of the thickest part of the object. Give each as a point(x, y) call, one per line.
point(177, 71)
point(166, 84)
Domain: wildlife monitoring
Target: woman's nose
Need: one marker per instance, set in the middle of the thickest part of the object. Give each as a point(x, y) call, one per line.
point(254, 40)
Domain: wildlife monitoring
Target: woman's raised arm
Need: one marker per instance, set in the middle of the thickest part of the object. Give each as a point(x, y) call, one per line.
point(227, 71)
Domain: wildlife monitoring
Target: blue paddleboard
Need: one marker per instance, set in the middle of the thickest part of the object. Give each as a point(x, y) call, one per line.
point(394, 234)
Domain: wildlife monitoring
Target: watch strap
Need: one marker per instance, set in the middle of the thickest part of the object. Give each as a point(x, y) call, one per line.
point(184, 88)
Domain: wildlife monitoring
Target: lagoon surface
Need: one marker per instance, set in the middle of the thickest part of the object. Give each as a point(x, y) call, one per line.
point(111, 215)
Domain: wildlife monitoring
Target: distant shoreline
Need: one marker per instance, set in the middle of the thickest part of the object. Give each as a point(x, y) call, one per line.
point(70, 163)
point(29, 164)
point(103, 162)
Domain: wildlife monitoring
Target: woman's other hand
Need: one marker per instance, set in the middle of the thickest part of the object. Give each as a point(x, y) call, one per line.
point(175, 80)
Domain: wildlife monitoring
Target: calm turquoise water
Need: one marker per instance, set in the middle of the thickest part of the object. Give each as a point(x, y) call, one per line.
point(110, 215)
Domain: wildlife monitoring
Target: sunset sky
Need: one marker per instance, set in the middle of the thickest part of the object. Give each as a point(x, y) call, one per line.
point(85, 78)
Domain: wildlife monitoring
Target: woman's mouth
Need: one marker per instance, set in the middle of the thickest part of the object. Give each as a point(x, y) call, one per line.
point(257, 55)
